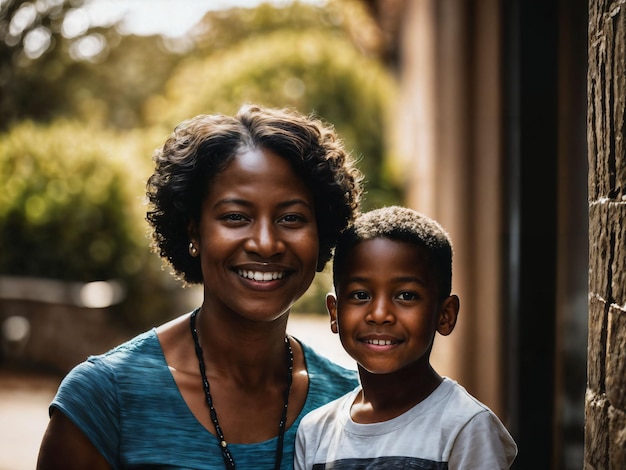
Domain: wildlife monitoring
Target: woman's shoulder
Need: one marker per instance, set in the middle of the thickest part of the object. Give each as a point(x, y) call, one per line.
point(145, 344)
point(137, 353)
point(110, 376)
point(102, 393)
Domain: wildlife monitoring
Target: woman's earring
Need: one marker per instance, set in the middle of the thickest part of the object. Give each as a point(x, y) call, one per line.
point(193, 250)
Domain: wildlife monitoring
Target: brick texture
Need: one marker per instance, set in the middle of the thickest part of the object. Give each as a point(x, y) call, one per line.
point(605, 403)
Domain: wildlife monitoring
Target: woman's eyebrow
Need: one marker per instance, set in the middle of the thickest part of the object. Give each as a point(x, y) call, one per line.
point(246, 202)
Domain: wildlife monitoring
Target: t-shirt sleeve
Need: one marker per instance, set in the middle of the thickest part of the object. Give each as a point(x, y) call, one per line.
point(300, 450)
point(483, 443)
point(87, 396)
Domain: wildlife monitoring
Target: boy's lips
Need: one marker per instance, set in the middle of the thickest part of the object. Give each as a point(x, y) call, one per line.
point(379, 340)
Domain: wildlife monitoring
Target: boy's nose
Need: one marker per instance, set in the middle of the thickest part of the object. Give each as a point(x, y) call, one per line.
point(381, 312)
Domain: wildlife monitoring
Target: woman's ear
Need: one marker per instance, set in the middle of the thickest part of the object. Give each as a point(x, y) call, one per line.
point(194, 246)
point(331, 306)
point(192, 233)
point(448, 314)
point(192, 230)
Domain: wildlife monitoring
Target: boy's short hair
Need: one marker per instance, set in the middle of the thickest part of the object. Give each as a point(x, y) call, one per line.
point(399, 224)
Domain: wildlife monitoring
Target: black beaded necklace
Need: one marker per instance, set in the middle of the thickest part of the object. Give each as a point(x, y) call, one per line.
point(226, 455)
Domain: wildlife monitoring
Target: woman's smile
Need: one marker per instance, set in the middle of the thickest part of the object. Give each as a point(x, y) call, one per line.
point(261, 276)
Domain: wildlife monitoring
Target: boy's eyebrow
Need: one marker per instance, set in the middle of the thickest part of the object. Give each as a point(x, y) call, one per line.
point(360, 278)
point(415, 279)
point(354, 279)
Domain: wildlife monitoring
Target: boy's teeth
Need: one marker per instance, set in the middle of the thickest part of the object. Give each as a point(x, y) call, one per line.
point(379, 342)
point(261, 276)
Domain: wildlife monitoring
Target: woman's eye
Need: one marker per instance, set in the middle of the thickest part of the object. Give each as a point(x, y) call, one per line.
point(292, 218)
point(234, 217)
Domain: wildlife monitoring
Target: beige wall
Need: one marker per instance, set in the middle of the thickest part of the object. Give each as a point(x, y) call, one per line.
point(449, 140)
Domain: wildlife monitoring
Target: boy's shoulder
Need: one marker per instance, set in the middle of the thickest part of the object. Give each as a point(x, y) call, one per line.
point(458, 399)
point(450, 398)
point(450, 402)
point(337, 409)
point(452, 408)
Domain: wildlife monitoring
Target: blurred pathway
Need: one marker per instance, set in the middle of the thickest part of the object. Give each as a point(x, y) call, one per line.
point(24, 397)
point(24, 400)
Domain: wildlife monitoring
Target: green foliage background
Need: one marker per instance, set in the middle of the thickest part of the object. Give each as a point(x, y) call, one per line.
point(78, 135)
point(67, 197)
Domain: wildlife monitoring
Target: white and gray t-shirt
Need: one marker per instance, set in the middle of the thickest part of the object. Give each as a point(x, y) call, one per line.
point(450, 429)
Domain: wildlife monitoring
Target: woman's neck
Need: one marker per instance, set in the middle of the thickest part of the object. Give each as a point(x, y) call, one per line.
point(252, 352)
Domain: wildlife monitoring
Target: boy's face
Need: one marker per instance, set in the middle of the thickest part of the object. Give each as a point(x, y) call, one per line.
point(387, 308)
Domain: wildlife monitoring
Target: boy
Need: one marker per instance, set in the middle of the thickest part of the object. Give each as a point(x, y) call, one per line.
point(392, 274)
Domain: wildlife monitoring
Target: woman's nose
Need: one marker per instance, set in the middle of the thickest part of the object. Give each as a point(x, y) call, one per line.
point(264, 239)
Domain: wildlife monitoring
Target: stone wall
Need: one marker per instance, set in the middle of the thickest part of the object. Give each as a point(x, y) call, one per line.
point(57, 336)
point(605, 402)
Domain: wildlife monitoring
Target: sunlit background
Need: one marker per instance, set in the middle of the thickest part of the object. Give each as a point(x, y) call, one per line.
point(471, 111)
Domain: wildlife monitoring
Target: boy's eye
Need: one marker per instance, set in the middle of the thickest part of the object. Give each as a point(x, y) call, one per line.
point(359, 295)
point(406, 296)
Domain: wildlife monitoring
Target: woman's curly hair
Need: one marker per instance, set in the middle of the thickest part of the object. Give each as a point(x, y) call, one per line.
point(202, 147)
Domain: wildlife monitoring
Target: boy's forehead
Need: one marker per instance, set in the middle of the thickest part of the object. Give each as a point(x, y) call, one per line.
point(387, 244)
point(387, 264)
point(378, 251)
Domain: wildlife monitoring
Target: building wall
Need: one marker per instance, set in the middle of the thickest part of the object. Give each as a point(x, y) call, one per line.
point(491, 131)
point(448, 133)
point(605, 401)
point(56, 337)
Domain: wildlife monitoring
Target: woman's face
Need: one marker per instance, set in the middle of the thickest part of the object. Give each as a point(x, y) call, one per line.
point(257, 237)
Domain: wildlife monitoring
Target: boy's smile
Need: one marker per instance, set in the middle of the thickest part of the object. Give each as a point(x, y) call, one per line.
point(387, 308)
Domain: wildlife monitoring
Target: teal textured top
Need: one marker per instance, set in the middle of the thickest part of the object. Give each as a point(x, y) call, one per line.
point(128, 405)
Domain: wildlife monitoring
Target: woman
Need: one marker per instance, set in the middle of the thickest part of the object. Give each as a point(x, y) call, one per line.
point(250, 207)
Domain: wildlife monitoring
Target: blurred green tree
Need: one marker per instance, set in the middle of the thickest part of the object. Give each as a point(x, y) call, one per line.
point(348, 19)
point(71, 191)
point(308, 70)
point(71, 209)
point(54, 63)
point(57, 177)
point(34, 57)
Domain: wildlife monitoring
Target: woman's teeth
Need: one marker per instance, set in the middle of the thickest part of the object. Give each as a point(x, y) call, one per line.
point(261, 276)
